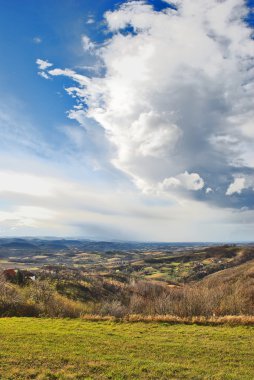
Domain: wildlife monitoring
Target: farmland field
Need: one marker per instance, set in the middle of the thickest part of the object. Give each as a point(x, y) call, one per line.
point(78, 349)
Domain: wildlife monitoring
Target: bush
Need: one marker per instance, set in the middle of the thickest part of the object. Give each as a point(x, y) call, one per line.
point(113, 308)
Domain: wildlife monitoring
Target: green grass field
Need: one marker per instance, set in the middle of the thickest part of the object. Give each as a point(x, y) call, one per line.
point(77, 349)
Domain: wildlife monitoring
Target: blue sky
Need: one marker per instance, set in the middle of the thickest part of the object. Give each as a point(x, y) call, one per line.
point(136, 122)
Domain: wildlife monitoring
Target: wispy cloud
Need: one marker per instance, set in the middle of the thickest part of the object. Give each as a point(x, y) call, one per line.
point(16, 129)
point(87, 44)
point(90, 20)
point(47, 204)
point(37, 40)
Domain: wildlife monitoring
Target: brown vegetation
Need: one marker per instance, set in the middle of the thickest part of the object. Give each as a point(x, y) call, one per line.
point(38, 299)
point(232, 320)
point(213, 299)
point(229, 292)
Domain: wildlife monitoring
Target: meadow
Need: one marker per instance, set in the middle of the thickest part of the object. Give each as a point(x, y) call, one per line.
point(37, 348)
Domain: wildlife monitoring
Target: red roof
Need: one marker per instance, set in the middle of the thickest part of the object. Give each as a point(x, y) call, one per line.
point(9, 272)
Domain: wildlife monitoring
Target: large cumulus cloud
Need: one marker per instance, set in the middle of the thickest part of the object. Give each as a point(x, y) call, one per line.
point(175, 98)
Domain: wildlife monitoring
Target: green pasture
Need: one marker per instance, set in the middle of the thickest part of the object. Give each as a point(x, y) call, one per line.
point(78, 349)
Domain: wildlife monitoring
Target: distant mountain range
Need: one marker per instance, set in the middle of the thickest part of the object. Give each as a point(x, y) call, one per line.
point(89, 245)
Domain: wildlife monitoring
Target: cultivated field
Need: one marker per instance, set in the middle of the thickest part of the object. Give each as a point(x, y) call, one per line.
point(77, 349)
point(163, 262)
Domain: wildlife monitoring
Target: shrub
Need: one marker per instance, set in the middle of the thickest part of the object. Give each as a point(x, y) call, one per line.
point(113, 308)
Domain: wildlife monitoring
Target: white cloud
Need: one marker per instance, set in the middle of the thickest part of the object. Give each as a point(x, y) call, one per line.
point(241, 183)
point(175, 95)
point(188, 181)
point(148, 132)
point(90, 20)
point(59, 201)
point(170, 183)
point(24, 183)
point(237, 186)
point(191, 181)
point(162, 101)
point(81, 79)
point(26, 216)
point(42, 64)
point(43, 75)
point(87, 44)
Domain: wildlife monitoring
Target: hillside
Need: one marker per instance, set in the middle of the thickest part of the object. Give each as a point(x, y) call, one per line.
point(243, 273)
point(181, 281)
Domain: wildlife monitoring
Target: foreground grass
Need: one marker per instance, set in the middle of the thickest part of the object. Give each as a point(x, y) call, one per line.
point(78, 349)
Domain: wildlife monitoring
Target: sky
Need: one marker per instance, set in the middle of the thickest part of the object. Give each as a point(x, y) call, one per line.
point(127, 120)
